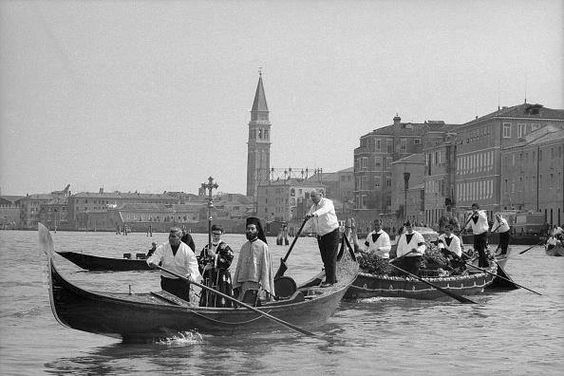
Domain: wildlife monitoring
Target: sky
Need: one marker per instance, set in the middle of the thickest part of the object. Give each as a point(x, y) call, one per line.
point(154, 96)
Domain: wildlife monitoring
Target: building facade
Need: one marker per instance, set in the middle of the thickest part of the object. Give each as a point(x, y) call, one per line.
point(373, 160)
point(285, 200)
point(479, 175)
point(440, 164)
point(532, 176)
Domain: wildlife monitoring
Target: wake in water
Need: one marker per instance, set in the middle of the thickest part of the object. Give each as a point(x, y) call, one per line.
point(181, 339)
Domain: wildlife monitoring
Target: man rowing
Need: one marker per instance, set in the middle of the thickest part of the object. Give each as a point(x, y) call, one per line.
point(178, 257)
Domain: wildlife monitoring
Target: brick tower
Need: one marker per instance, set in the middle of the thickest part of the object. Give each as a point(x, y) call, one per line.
point(258, 154)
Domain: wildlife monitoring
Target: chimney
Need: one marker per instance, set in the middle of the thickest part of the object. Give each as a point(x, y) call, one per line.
point(397, 120)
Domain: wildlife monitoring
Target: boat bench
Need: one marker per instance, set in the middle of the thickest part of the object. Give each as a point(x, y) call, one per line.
point(171, 298)
point(296, 297)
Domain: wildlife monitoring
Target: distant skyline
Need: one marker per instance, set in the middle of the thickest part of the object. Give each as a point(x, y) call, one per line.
point(154, 96)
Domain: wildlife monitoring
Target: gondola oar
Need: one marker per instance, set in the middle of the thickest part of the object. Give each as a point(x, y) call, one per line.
point(460, 298)
point(499, 276)
point(283, 267)
point(528, 249)
point(258, 311)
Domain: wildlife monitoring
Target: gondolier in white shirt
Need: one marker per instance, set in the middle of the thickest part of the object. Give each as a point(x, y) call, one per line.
point(451, 248)
point(411, 244)
point(478, 222)
point(322, 217)
point(501, 226)
point(178, 257)
point(378, 241)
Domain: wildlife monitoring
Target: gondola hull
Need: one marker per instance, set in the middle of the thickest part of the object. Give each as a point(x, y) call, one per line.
point(370, 285)
point(98, 263)
point(557, 250)
point(147, 316)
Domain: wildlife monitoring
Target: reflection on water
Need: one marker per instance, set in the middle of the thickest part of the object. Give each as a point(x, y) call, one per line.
point(507, 333)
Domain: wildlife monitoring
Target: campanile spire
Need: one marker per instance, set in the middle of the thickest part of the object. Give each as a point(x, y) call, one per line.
point(258, 151)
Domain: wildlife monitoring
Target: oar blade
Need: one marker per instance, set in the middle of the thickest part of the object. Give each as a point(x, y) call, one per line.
point(281, 270)
point(45, 240)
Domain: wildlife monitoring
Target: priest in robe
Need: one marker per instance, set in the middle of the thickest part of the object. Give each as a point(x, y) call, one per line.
point(254, 264)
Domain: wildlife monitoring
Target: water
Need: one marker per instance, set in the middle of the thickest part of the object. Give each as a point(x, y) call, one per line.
point(507, 333)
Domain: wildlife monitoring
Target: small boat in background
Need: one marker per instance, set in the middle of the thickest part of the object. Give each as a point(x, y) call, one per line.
point(98, 263)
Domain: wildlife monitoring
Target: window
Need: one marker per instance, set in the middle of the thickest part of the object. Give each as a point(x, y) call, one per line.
point(522, 130)
point(378, 145)
point(417, 141)
point(403, 144)
point(506, 130)
point(378, 162)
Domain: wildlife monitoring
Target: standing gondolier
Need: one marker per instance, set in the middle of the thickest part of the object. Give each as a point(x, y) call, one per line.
point(326, 226)
point(501, 226)
point(478, 222)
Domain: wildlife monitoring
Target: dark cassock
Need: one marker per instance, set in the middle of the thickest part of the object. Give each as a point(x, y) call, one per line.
point(216, 274)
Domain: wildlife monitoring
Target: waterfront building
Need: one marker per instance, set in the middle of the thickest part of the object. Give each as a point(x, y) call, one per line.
point(85, 204)
point(232, 206)
point(373, 166)
point(10, 212)
point(532, 176)
point(258, 145)
point(54, 214)
point(30, 206)
point(285, 199)
point(479, 175)
point(440, 163)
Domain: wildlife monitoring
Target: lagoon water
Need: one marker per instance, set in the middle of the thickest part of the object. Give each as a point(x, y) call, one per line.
point(507, 333)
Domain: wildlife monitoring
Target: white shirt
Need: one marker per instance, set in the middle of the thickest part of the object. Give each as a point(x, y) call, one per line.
point(481, 225)
point(324, 218)
point(381, 247)
point(501, 226)
point(454, 245)
point(184, 262)
point(417, 242)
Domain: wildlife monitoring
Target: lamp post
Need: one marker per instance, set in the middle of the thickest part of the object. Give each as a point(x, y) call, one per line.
point(209, 186)
point(406, 176)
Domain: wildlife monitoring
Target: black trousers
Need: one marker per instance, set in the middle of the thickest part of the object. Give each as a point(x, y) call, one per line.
point(328, 247)
point(504, 241)
point(410, 264)
point(480, 244)
point(177, 287)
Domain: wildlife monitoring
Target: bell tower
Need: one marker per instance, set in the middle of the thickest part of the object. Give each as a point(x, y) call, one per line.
point(258, 151)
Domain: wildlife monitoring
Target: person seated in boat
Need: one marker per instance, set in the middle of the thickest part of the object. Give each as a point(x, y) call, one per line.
point(177, 257)
point(502, 227)
point(558, 233)
point(187, 239)
point(152, 250)
point(375, 251)
point(411, 244)
point(214, 265)
point(450, 247)
point(254, 264)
